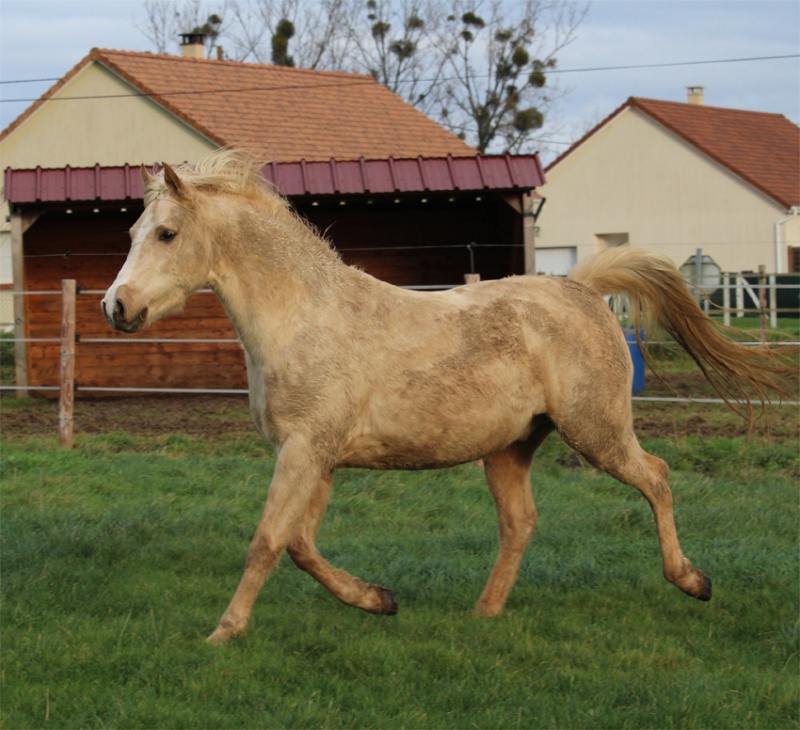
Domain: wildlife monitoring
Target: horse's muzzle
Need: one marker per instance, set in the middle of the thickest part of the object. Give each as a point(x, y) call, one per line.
point(121, 313)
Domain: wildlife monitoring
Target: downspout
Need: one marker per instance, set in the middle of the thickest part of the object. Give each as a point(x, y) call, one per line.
point(795, 211)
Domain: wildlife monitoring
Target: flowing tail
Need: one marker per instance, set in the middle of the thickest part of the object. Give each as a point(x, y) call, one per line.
point(660, 296)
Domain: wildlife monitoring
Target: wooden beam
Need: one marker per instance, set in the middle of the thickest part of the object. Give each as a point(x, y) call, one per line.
point(20, 223)
point(514, 200)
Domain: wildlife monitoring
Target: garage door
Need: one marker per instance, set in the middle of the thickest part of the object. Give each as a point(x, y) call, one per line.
point(556, 261)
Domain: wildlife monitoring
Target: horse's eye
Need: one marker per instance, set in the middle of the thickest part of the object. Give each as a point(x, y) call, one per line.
point(166, 236)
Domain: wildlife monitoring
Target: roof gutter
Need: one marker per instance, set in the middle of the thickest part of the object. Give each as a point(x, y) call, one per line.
point(795, 211)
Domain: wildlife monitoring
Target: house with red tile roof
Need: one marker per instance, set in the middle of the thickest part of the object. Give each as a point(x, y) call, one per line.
point(396, 193)
point(120, 107)
point(677, 177)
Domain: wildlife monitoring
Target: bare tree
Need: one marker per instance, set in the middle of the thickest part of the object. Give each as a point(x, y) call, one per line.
point(165, 20)
point(499, 54)
point(479, 67)
point(395, 41)
point(257, 29)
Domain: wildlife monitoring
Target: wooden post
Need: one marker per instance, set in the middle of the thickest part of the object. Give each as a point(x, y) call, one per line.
point(67, 399)
point(18, 264)
point(762, 302)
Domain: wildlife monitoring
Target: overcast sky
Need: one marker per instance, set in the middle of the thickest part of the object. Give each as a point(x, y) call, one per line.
point(43, 39)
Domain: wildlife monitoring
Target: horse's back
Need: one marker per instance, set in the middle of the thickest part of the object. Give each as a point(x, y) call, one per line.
point(555, 313)
point(557, 328)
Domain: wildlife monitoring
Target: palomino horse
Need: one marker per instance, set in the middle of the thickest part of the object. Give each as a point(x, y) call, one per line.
point(348, 371)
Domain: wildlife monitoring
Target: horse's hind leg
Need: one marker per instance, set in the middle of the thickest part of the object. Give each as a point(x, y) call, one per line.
point(618, 453)
point(508, 475)
point(345, 587)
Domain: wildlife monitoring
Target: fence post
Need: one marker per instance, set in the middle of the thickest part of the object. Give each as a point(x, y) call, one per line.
point(773, 301)
point(739, 296)
point(762, 302)
point(66, 401)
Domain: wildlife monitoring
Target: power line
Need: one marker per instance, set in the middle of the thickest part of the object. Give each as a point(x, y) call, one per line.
point(369, 80)
point(665, 65)
point(28, 81)
point(199, 92)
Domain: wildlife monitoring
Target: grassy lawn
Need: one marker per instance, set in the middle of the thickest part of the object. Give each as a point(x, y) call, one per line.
point(120, 555)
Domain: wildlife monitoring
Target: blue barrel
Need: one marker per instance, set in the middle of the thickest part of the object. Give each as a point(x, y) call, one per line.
point(637, 359)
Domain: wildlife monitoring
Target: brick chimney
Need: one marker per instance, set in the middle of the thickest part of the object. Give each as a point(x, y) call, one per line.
point(695, 94)
point(193, 45)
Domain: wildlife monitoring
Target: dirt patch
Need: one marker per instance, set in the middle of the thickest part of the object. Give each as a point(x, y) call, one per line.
point(202, 416)
point(778, 423)
point(220, 416)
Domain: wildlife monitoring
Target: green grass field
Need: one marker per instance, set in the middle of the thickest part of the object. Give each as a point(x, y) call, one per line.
point(119, 556)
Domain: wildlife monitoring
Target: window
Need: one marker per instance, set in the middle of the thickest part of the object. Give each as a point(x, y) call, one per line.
point(610, 240)
point(794, 259)
point(556, 261)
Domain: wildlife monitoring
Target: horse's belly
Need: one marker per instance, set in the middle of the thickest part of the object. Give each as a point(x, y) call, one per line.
point(379, 457)
point(433, 435)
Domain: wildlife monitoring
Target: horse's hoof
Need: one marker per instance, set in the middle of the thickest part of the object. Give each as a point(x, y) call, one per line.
point(224, 633)
point(218, 637)
point(705, 590)
point(388, 605)
point(485, 610)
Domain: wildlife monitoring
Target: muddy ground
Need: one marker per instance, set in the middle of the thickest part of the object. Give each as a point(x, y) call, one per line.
point(228, 417)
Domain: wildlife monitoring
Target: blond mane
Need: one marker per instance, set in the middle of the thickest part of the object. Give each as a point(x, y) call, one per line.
point(226, 171)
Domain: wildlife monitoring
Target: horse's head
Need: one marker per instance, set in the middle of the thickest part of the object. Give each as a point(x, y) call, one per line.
point(169, 259)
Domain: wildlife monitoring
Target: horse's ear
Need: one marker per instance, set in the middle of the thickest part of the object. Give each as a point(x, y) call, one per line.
point(147, 178)
point(174, 183)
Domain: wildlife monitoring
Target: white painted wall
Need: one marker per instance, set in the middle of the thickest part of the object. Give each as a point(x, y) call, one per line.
point(114, 130)
point(637, 178)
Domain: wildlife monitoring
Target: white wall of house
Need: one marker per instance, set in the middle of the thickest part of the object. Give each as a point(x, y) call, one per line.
point(123, 127)
point(114, 130)
point(634, 182)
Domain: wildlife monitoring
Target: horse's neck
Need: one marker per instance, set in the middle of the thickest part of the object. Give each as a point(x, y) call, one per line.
point(269, 287)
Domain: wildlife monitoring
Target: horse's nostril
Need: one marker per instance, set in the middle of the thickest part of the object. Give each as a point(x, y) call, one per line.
point(119, 311)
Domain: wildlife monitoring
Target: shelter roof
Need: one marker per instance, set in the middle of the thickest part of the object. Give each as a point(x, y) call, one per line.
point(287, 114)
point(762, 149)
point(497, 173)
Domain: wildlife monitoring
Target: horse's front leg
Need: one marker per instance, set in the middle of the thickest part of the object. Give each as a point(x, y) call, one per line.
point(347, 588)
point(292, 487)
